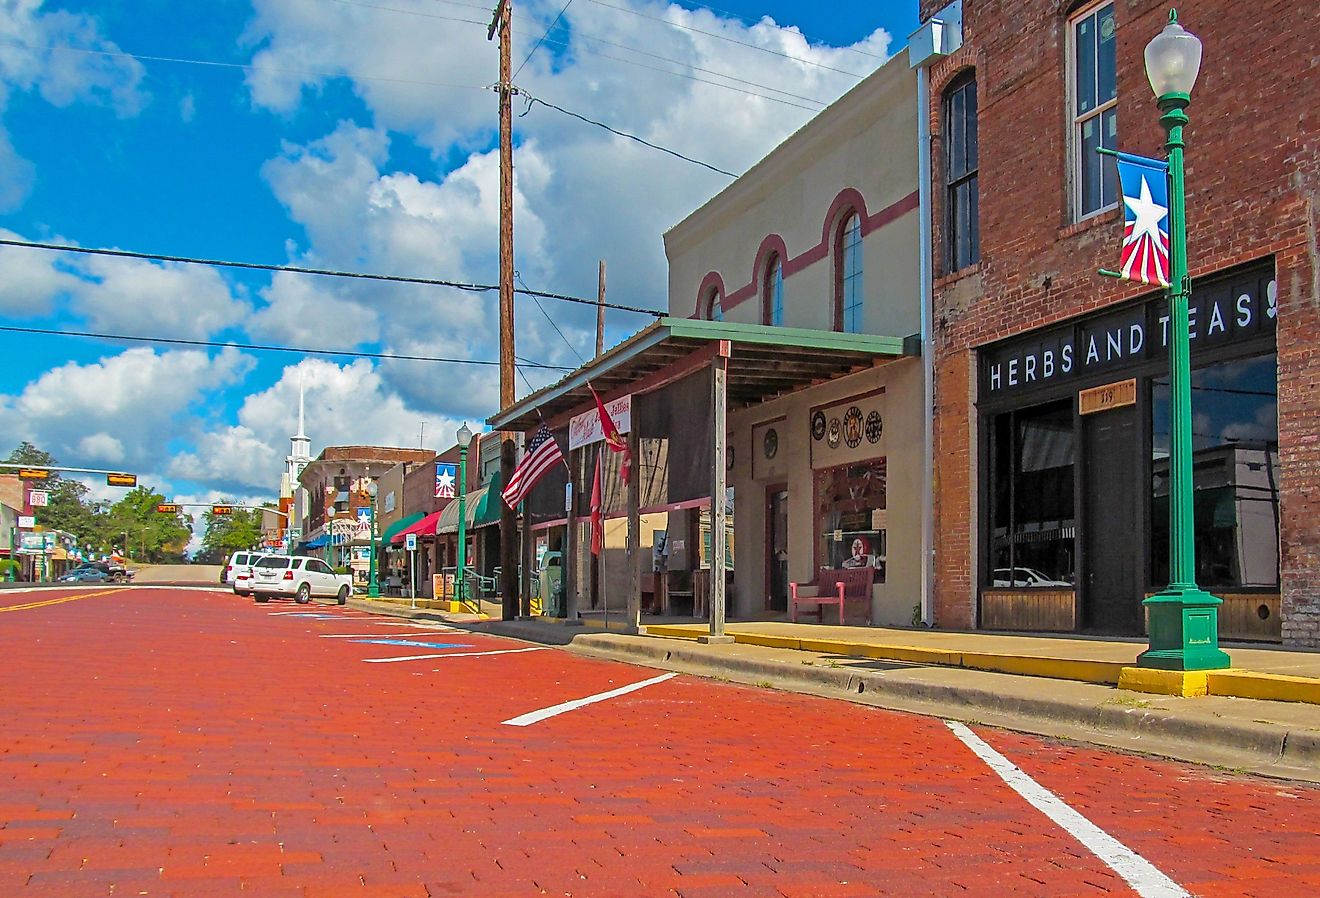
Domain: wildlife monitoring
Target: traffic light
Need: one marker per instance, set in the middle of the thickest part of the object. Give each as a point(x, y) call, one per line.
point(222, 509)
point(121, 480)
point(168, 508)
point(33, 474)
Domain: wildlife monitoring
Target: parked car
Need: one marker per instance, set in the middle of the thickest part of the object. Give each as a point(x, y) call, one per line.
point(237, 561)
point(243, 574)
point(300, 576)
point(1026, 577)
point(114, 571)
point(85, 575)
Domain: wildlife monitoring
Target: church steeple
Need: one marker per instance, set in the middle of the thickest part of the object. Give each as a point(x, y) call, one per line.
point(300, 445)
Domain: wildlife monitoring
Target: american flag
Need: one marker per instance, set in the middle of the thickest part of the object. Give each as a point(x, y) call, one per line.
point(542, 455)
point(1145, 255)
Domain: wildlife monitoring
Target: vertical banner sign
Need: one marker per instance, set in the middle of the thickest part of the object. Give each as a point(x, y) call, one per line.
point(446, 477)
point(1145, 253)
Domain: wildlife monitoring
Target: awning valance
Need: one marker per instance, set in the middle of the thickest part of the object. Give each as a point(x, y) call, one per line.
point(401, 524)
point(318, 542)
point(425, 527)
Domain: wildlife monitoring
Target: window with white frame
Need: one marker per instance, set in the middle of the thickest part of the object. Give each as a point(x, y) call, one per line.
point(848, 278)
point(1094, 109)
point(774, 291)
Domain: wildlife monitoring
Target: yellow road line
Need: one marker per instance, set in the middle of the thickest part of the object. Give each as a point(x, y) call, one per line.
point(61, 600)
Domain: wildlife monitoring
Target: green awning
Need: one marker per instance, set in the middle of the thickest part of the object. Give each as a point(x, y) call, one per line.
point(488, 507)
point(481, 505)
point(398, 525)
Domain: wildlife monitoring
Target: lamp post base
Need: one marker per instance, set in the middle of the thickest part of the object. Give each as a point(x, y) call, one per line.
point(1184, 631)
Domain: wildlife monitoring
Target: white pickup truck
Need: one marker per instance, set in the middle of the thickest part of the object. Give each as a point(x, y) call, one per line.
point(299, 576)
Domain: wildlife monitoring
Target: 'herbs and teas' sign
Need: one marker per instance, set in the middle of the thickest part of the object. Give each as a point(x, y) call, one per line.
point(1226, 310)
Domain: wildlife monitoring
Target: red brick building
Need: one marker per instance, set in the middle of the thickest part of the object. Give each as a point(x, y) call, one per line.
point(1048, 516)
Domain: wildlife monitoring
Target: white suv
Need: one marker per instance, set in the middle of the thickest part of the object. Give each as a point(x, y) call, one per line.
point(242, 573)
point(237, 562)
point(300, 576)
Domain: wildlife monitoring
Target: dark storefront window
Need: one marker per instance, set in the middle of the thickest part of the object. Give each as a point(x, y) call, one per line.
point(851, 521)
point(1031, 514)
point(1235, 465)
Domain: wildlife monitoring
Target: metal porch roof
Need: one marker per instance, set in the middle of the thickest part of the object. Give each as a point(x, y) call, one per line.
point(764, 362)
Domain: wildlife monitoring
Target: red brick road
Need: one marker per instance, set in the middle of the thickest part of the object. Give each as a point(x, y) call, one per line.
point(157, 742)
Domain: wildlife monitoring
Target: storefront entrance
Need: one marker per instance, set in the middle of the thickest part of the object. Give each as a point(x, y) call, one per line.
point(1112, 523)
point(776, 514)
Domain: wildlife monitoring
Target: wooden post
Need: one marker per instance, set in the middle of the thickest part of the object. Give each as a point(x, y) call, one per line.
point(633, 570)
point(718, 538)
point(600, 310)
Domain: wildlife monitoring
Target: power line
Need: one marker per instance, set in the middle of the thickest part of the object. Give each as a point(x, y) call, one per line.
point(655, 146)
point(296, 269)
point(245, 67)
point(266, 347)
point(567, 342)
point(791, 30)
point(732, 40)
point(536, 45)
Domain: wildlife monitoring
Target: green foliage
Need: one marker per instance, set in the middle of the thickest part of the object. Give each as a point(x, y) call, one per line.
point(229, 533)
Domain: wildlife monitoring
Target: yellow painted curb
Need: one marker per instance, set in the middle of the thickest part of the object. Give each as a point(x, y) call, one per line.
point(1183, 683)
point(773, 642)
point(1107, 672)
point(676, 632)
point(1270, 687)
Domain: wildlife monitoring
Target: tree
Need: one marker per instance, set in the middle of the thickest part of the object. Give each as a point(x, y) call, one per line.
point(145, 533)
point(27, 454)
point(229, 533)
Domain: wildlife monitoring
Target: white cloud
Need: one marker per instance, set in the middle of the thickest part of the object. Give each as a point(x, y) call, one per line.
point(121, 411)
point(169, 299)
point(30, 279)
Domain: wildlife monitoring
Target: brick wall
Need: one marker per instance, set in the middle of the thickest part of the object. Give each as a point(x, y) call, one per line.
point(1253, 191)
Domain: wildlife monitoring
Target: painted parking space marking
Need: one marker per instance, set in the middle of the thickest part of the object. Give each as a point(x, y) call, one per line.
point(1144, 878)
point(376, 635)
point(415, 643)
point(535, 648)
point(28, 606)
point(537, 716)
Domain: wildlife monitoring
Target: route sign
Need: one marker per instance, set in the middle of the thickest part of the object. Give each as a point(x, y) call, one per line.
point(222, 509)
point(167, 508)
point(33, 474)
point(121, 480)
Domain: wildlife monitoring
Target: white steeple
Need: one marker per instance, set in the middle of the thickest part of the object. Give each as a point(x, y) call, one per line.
point(300, 446)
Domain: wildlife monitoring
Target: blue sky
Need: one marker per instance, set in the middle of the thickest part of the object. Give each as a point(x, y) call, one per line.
point(353, 134)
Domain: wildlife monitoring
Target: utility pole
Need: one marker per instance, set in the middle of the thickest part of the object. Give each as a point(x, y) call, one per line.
point(501, 22)
point(600, 311)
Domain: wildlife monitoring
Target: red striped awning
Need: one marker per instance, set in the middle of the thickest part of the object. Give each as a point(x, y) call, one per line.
point(424, 527)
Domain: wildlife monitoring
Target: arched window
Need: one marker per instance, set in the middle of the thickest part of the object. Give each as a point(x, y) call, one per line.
point(848, 301)
point(773, 291)
point(962, 229)
point(714, 306)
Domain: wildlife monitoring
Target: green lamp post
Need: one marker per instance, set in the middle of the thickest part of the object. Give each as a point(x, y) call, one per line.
point(373, 587)
point(464, 438)
point(1183, 618)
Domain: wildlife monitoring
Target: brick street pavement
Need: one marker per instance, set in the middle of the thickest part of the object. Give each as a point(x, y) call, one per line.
point(158, 742)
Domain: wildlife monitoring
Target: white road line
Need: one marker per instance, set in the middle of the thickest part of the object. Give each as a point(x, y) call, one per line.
point(388, 633)
point(535, 648)
point(1139, 873)
point(537, 716)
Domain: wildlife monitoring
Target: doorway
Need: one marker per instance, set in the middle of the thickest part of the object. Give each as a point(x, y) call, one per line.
point(1111, 591)
point(776, 514)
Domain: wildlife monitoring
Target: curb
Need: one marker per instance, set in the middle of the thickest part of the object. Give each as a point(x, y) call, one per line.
point(1271, 749)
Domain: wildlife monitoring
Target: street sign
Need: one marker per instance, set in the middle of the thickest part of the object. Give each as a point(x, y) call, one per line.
point(39, 498)
point(167, 508)
point(33, 474)
point(121, 480)
point(410, 542)
point(26, 522)
point(222, 509)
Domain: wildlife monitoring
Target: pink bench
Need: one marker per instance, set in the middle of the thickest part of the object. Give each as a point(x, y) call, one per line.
point(834, 586)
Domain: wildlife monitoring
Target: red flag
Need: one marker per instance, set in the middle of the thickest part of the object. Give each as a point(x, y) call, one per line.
point(613, 438)
point(597, 524)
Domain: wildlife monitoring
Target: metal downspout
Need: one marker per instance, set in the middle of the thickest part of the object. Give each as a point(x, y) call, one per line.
point(927, 351)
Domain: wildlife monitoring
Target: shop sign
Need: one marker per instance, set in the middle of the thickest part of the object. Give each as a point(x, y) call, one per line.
point(850, 430)
point(585, 429)
point(39, 498)
point(1109, 396)
point(769, 452)
point(1227, 310)
point(26, 521)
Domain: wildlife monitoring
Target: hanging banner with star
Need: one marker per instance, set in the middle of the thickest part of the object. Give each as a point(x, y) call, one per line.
point(1145, 255)
point(445, 478)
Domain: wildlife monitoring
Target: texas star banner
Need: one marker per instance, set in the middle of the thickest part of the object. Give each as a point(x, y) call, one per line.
point(1145, 254)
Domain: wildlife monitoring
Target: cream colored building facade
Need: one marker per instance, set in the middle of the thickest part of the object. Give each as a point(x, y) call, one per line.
point(823, 469)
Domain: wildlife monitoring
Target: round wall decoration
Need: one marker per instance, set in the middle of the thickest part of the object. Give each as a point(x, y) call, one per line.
point(818, 425)
point(852, 427)
point(875, 426)
point(835, 434)
point(770, 442)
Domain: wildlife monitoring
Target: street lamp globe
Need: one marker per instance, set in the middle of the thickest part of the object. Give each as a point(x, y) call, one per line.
point(1173, 59)
point(371, 489)
point(464, 435)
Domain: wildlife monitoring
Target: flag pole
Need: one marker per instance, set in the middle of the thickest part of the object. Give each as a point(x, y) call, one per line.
point(600, 559)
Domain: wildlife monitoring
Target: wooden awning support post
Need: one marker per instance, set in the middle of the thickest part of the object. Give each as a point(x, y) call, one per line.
point(719, 370)
point(633, 623)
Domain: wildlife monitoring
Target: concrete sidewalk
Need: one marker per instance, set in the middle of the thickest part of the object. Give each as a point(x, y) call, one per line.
point(1052, 686)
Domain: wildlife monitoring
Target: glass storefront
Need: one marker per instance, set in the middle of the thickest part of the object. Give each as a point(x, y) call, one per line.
point(850, 513)
point(1031, 508)
point(1235, 471)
